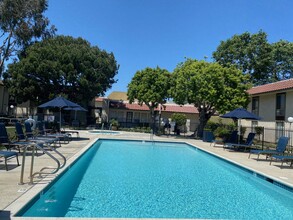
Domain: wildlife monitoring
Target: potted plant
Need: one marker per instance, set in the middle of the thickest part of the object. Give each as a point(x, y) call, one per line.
point(221, 133)
point(114, 124)
point(208, 132)
point(259, 131)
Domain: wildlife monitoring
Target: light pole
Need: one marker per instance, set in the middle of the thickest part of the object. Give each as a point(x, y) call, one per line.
point(290, 120)
point(12, 109)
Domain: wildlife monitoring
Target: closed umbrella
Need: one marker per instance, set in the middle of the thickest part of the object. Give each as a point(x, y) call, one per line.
point(60, 103)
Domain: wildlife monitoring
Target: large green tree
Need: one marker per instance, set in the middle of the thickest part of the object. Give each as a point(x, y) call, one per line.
point(210, 87)
point(22, 22)
point(151, 87)
point(61, 65)
point(254, 55)
point(250, 53)
point(282, 65)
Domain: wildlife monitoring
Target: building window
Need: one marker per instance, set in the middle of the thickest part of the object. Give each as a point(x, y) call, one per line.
point(280, 129)
point(118, 115)
point(136, 117)
point(129, 116)
point(255, 105)
point(144, 117)
point(280, 106)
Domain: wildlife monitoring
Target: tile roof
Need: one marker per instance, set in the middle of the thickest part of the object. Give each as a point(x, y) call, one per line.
point(168, 107)
point(100, 99)
point(272, 87)
point(181, 109)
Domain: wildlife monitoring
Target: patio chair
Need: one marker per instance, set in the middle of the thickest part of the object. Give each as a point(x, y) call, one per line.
point(247, 144)
point(34, 137)
point(42, 142)
point(42, 131)
point(70, 132)
point(233, 138)
point(280, 149)
point(283, 158)
point(5, 141)
point(7, 155)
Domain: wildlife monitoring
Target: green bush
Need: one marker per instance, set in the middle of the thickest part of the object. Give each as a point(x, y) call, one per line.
point(258, 130)
point(211, 126)
point(114, 122)
point(221, 132)
point(220, 129)
point(179, 119)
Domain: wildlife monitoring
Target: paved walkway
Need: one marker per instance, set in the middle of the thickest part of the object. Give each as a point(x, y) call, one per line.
point(13, 196)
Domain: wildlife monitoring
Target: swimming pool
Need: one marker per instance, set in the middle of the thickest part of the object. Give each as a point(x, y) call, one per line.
point(137, 179)
point(104, 132)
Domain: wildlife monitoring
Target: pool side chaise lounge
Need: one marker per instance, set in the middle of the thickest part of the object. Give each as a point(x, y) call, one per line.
point(247, 144)
point(8, 155)
point(233, 138)
point(280, 149)
point(34, 137)
point(283, 158)
point(62, 137)
point(4, 141)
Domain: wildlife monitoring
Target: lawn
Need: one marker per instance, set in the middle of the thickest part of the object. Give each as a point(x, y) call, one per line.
point(11, 134)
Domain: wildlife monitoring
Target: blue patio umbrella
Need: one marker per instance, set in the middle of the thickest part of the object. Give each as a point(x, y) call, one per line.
point(240, 113)
point(59, 102)
point(75, 109)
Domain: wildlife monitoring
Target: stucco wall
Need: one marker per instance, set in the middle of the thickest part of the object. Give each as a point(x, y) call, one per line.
point(267, 105)
point(289, 104)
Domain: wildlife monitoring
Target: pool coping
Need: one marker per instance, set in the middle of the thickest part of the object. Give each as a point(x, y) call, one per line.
point(105, 132)
point(36, 189)
point(252, 171)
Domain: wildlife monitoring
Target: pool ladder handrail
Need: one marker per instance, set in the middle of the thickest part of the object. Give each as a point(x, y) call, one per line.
point(152, 137)
point(38, 146)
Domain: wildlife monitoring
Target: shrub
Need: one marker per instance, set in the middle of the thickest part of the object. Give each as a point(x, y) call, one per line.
point(179, 119)
point(221, 132)
point(258, 130)
point(211, 126)
point(114, 123)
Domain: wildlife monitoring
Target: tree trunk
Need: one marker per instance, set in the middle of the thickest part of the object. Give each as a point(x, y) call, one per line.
point(153, 120)
point(203, 119)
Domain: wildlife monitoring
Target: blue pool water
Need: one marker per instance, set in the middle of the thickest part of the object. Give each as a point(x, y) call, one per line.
point(162, 180)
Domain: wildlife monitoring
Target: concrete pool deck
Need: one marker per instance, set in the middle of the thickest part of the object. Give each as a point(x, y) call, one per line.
point(13, 196)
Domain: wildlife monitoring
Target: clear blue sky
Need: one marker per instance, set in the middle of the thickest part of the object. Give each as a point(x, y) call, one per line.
point(150, 33)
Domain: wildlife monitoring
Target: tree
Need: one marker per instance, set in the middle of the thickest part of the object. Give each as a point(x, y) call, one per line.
point(282, 55)
point(150, 87)
point(210, 87)
point(61, 65)
point(250, 53)
point(22, 22)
